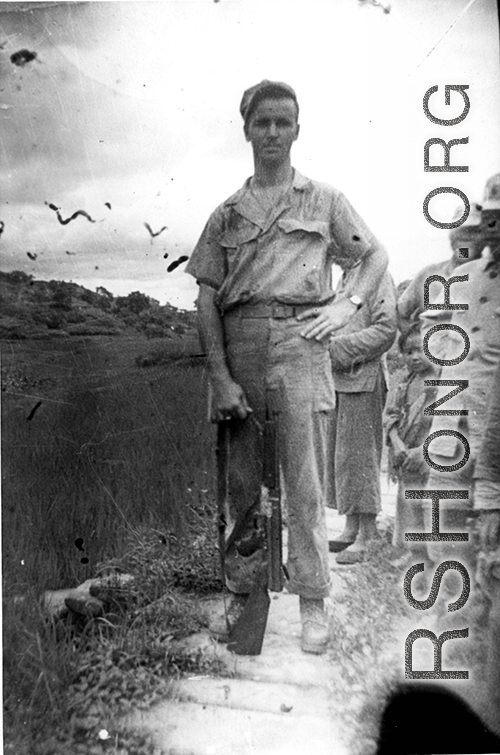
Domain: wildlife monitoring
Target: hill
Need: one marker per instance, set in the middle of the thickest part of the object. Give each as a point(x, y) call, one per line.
point(46, 309)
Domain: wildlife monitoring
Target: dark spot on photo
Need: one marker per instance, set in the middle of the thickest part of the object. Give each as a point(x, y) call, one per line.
point(65, 221)
point(175, 264)
point(431, 703)
point(32, 412)
point(152, 233)
point(21, 57)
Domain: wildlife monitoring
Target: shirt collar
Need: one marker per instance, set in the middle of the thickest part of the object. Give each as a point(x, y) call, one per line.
point(245, 204)
point(299, 183)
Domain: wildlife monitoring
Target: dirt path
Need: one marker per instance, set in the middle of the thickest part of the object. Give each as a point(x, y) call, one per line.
point(285, 702)
point(282, 702)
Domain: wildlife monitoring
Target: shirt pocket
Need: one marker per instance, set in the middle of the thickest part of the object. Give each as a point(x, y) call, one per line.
point(305, 228)
point(305, 246)
point(237, 242)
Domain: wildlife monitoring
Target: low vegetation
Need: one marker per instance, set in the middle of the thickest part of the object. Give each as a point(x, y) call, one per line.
point(69, 680)
point(119, 457)
point(39, 309)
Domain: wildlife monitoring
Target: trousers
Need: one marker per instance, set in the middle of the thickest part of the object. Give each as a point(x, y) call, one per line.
point(287, 376)
point(356, 450)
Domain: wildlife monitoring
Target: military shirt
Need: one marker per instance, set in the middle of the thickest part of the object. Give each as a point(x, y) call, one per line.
point(411, 302)
point(284, 254)
point(481, 323)
point(487, 469)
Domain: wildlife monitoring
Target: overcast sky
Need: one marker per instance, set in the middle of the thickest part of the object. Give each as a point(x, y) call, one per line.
point(135, 104)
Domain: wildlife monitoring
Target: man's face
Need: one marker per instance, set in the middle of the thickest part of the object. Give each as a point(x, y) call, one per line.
point(272, 129)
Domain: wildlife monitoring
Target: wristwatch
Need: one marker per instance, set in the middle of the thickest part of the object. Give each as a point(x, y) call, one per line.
point(356, 301)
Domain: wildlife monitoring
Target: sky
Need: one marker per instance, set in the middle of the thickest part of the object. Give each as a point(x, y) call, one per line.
point(130, 112)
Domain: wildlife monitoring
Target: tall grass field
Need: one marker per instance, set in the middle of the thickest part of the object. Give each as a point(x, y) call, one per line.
point(97, 448)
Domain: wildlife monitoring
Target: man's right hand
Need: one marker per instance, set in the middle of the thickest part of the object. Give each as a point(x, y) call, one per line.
point(414, 462)
point(399, 448)
point(229, 402)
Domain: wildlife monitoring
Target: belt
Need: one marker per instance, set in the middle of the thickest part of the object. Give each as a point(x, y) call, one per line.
point(274, 310)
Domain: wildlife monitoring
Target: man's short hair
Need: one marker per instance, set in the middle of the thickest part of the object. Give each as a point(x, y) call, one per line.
point(265, 90)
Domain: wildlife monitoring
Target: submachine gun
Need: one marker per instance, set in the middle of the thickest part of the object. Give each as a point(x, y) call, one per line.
point(247, 635)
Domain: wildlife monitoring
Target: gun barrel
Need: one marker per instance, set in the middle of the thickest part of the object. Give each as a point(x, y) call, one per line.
point(271, 479)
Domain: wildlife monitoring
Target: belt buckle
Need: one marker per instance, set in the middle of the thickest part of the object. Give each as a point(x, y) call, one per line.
point(282, 311)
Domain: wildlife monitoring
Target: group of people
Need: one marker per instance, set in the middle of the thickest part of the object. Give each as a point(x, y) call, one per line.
point(282, 342)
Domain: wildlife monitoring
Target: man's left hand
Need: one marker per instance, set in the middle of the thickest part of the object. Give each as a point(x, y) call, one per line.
point(327, 319)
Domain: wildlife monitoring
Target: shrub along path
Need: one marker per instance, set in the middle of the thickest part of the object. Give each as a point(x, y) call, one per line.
point(281, 702)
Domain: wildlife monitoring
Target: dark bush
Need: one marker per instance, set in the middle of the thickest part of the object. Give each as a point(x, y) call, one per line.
point(56, 321)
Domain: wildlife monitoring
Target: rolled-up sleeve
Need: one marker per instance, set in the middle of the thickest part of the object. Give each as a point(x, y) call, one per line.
point(351, 238)
point(207, 262)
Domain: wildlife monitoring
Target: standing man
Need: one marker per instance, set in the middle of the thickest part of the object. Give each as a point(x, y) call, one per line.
point(266, 310)
point(481, 323)
point(466, 236)
point(487, 504)
point(487, 475)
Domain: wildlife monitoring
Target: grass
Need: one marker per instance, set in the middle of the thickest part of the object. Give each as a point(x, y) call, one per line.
point(67, 681)
point(369, 612)
point(112, 446)
point(119, 456)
